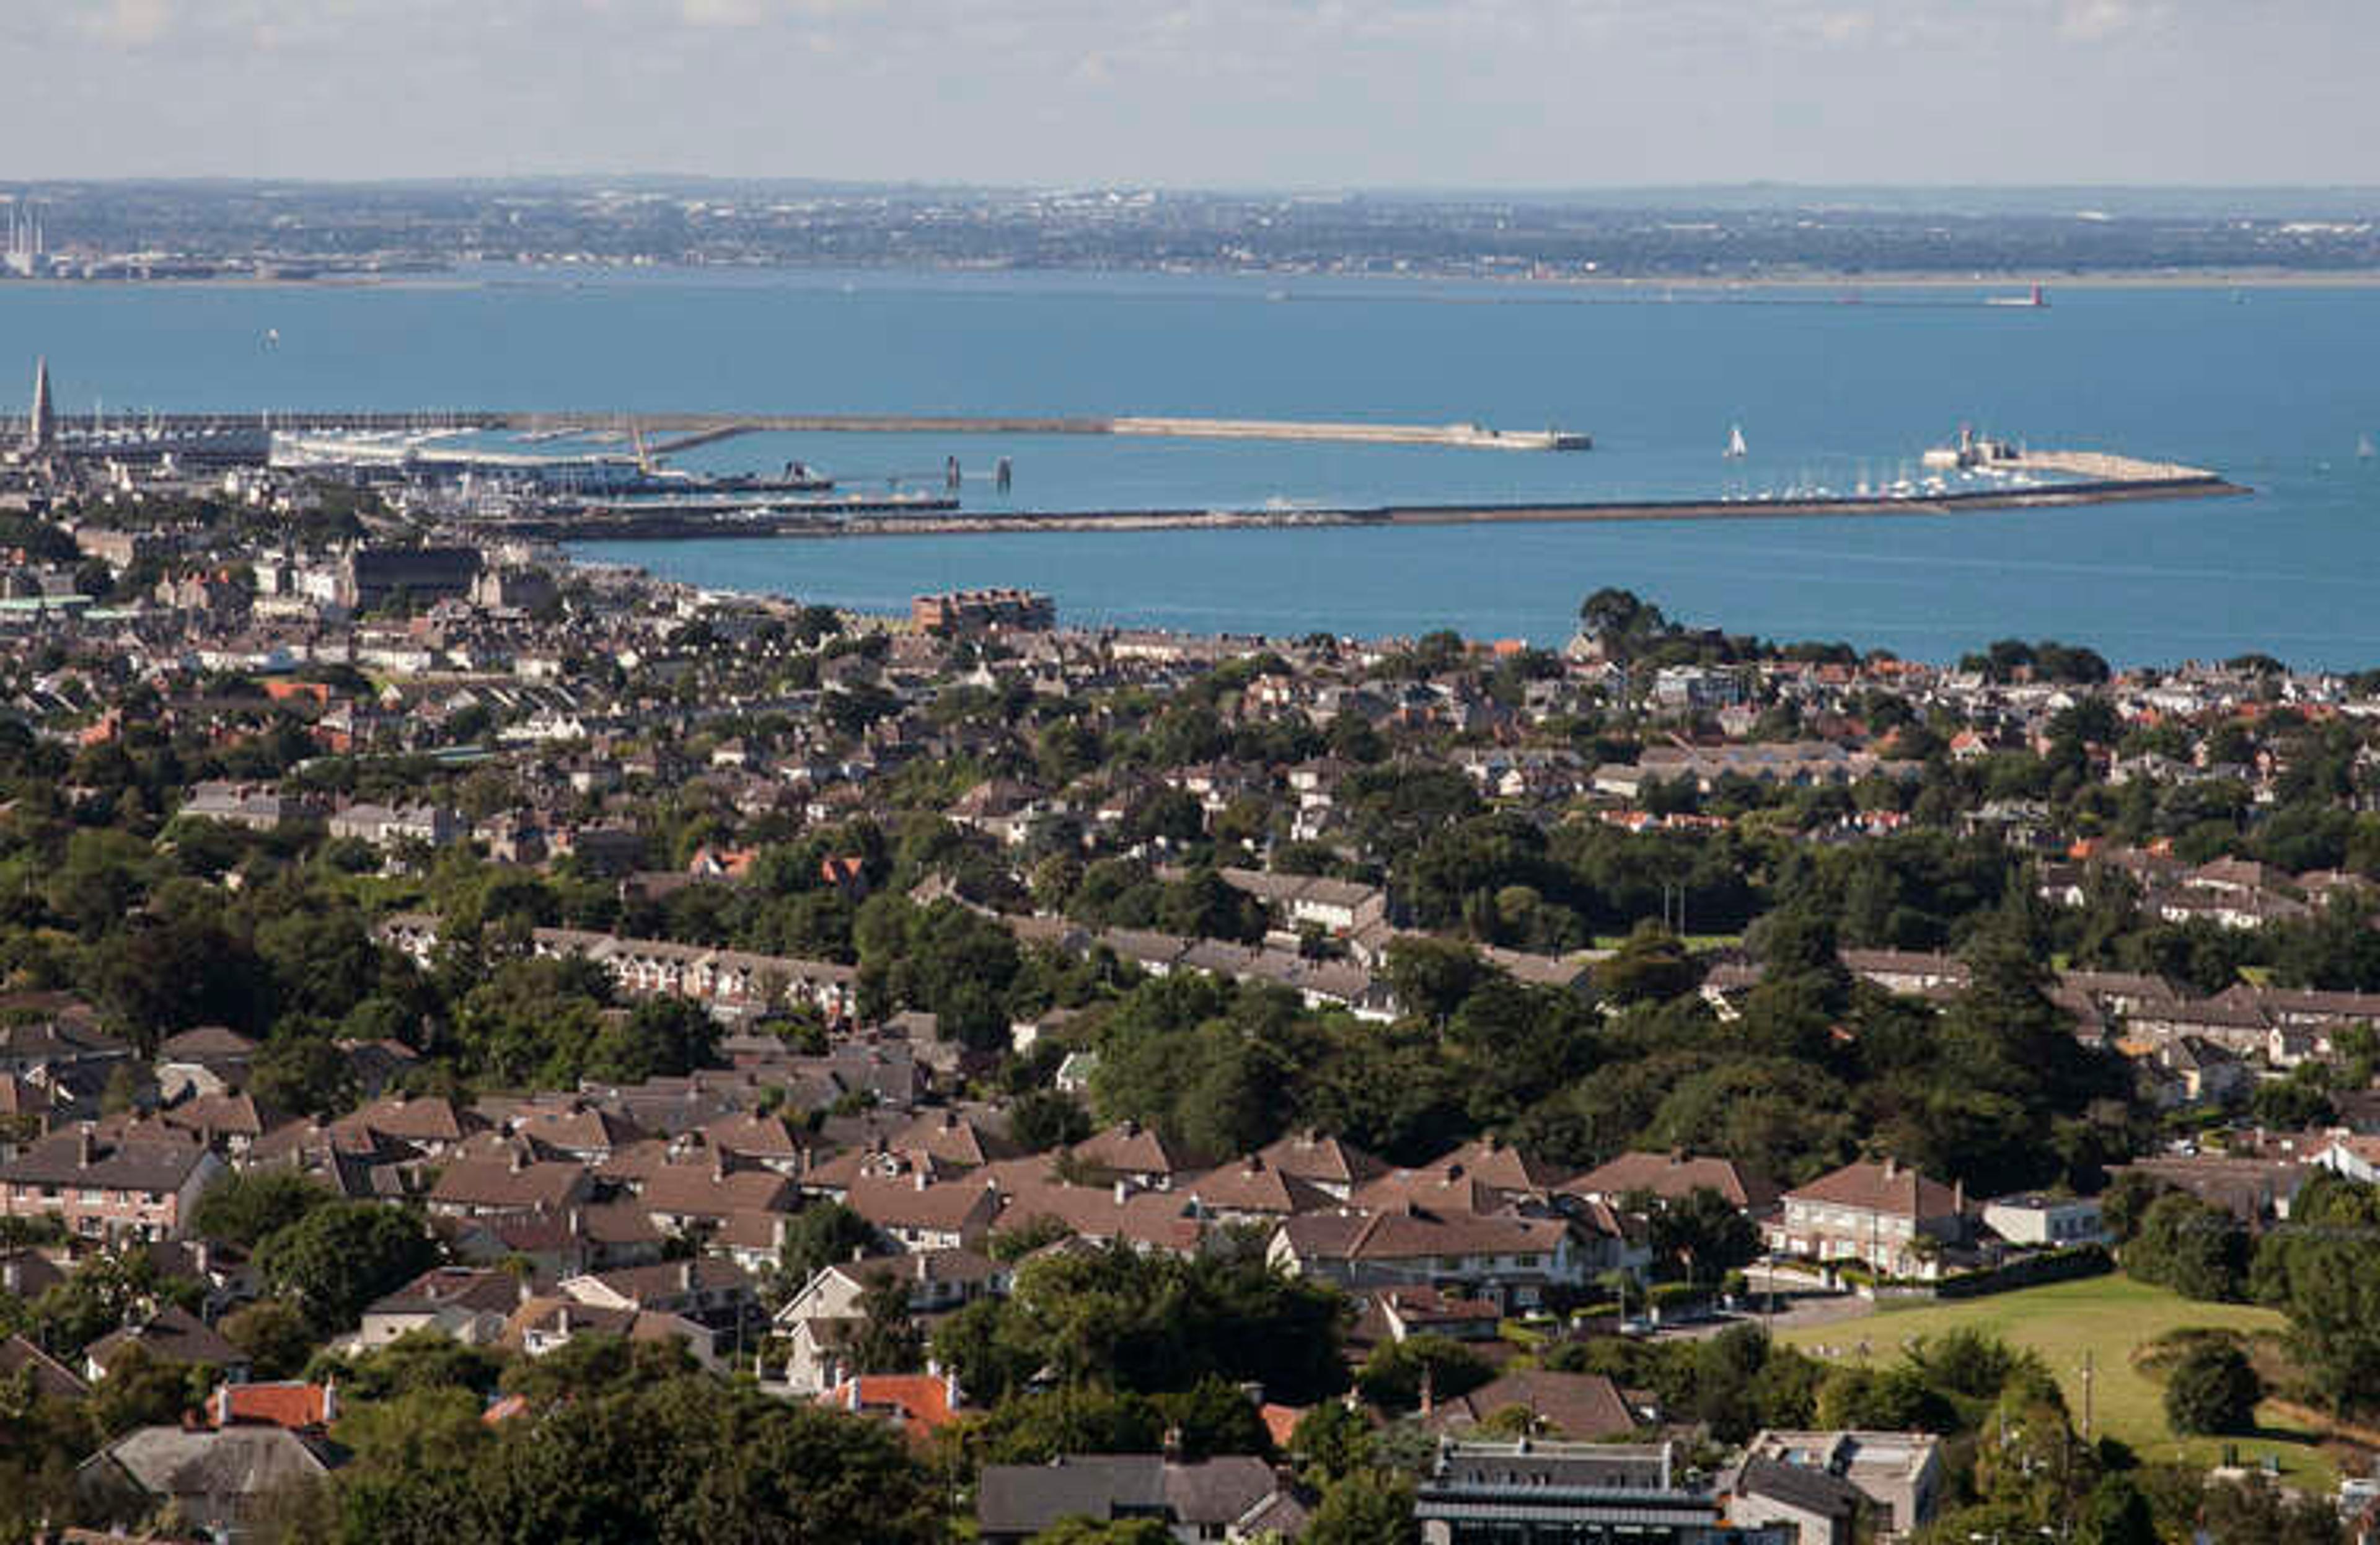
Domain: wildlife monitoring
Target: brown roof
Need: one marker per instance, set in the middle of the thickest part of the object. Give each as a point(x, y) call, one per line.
point(417, 1118)
point(1162, 1220)
point(543, 1185)
point(665, 1280)
point(236, 1115)
point(1406, 1236)
point(1582, 1406)
point(86, 1160)
point(1309, 1155)
point(49, 1376)
point(761, 1136)
point(445, 1286)
point(1445, 1190)
point(1882, 1187)
point(1673, 1177)
point(954, 1137)
point(702, 1190)
point(206, 1043)
point(1253, 1185)
point(951, 1206)
point(172, 1334)
point(581, 1130)
point(1129, 1147)
point(1500, 1164)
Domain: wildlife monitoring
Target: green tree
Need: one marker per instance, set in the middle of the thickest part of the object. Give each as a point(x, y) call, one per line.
point(1431, 976)
point(144, 1390)
point(341, 1255)
point(274, 1335)
point(1040, 1120)
point(820, 1236)
point(2116, 1513)
point(1036, 1429)
point(2212, 1389)
point(1368, 1507)
point(1123, 1531)
point(886, 1339)
point(1703, 1235)
point(1398, 1373)
point(2333, 1302)
point(245, 1205)
point(1332, 1440)
point(1650, 965)
point(2198, 1249)
point(302, 1073)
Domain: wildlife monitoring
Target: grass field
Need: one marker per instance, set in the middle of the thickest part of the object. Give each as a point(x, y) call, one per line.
point(2110, 1317)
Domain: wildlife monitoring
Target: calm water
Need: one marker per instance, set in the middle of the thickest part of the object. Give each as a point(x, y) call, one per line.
point(2273, 387)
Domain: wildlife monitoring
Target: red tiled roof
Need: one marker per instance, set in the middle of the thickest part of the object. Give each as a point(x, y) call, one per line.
point(279, 1405)
point(920, 1402)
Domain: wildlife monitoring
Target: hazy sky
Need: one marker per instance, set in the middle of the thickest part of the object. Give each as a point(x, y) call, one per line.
point(1212, 92)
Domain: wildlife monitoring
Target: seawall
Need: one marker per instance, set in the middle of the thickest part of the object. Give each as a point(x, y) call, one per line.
point(2193, 485)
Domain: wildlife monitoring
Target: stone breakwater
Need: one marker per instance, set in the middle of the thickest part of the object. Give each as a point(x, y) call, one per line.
point(2068, 477)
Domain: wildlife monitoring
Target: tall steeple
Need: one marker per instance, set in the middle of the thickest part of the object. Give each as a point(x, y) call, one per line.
point(40, 433)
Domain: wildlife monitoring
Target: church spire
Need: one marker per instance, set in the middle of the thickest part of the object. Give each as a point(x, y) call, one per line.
point(40, 433)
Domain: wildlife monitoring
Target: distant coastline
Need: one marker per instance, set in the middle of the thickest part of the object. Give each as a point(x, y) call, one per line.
point(1851, 284)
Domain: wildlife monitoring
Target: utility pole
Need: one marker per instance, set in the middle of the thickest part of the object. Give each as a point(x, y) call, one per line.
point(2087, 1373)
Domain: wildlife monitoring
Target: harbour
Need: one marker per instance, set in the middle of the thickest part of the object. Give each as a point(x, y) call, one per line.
point(1365, 538)
point(2117, 479)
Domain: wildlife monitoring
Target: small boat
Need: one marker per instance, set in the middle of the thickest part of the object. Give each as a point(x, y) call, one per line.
point(1736, 450)
point(2364, 449)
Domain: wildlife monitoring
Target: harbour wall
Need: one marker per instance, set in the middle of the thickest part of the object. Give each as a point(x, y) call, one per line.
point(2192, 484)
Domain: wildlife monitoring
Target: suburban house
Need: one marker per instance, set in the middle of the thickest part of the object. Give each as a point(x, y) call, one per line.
point(1674, 1177)
point(208, 1060)
point(1511, 1261)
point(1236, 1497)
point(1821, 1508)
point(2035, 1218)
point(1476, 1493)
point(1878, 1212)
point(108, 1188)
point(937, 1281)
point(470, 1306)
point(169, 1335)
point(1901, 1473)
point(225, 1481)
point(1584, 1407)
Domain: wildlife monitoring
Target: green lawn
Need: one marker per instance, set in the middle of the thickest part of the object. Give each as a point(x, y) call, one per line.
point(2110, 1317)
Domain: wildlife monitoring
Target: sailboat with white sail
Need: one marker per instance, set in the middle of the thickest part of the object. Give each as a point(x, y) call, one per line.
point(1736, 450)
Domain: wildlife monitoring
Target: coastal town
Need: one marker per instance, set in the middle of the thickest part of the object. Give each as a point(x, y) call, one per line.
point(489, 1041)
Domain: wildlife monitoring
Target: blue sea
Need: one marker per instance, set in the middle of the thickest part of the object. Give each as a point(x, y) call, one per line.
point(1832, 386)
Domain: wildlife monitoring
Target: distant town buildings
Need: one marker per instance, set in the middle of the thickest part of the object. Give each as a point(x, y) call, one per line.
point(960, 612)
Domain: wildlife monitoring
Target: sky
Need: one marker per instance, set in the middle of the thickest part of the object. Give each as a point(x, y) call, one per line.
point(1205, 93)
